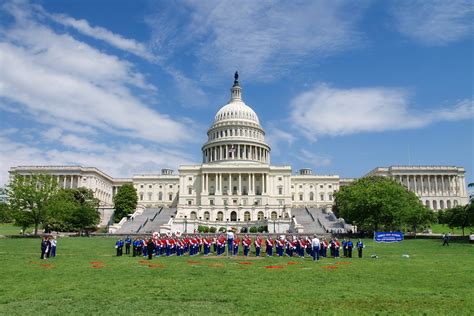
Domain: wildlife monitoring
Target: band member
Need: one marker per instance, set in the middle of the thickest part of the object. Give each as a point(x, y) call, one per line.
point(344, 248)
point(119, 247)
point(337, 247)
point(349, 248)
point(53, 246)
point(302, 247)
point(128, 243)
point(269, 243)
point(258, 245)
point(324, 247)
point(315, 243)
point(236, 245)
point(230, 242)
point(207, 241)
point(246, 244)
point(360, 246)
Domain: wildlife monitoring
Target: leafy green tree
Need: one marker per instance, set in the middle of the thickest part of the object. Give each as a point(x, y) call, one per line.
point(73, 210)
point(125, 201)
point(420, 216)
point(28, 196)
point(375, 202)
point(460, 217)
point(5, 213)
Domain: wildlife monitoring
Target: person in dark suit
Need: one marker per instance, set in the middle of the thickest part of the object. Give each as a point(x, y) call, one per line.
point(44, 247)
point(151, 248)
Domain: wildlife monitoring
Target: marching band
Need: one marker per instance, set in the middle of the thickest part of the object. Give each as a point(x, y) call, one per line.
point(180, 245)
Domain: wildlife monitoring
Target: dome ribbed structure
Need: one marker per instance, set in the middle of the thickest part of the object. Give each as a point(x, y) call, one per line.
point(236, 134)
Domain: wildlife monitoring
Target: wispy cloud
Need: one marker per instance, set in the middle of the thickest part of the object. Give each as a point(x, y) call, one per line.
point(66, 82)
point(260, 38)
point(312, 159)
point(435, 22)
point(324, 110)
point(122, 160)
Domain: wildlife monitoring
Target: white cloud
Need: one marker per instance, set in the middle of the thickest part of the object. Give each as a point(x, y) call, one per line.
point(259, 38)
point(325, 110)
point(65, 82)
point(100, 33)
point(276, 137)
point(121, 161)
point(437, 22)
point(312, 159)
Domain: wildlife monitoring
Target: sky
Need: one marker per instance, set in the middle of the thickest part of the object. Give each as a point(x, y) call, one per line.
point(341, 87)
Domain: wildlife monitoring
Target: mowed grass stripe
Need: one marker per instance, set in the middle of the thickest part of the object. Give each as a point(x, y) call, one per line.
point(434, 280)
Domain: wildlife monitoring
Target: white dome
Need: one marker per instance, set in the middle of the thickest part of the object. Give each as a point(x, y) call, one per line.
point(236, 110)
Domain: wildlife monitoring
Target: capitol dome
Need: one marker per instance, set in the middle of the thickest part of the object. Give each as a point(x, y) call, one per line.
point(236, 134)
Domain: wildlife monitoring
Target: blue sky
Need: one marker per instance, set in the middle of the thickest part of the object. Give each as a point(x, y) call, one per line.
point(132, 86)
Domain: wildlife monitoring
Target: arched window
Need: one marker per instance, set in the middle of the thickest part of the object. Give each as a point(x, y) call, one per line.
point(274, 215)
point(160, 196)
point(220, 216)
point(260, 216)
point(150, 196)
point(427, 203)
point(206, 215)
point(311, 196)
point(170, 197)
point(193, 215)
point(455, 202)
point(233, 216)
point(141, 196)
point(435, 205)
point(448, 204)
point(247, 216)
point(441, 205)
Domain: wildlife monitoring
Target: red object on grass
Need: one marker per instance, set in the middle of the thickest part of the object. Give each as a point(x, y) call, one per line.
point(245, 262)
point(329, 267)
point(291, 262)
point(273, 267)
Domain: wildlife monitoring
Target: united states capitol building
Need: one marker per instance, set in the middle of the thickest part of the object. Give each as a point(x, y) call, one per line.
point(237, 186)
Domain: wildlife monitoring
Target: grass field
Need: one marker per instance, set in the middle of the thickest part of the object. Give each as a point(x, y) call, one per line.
point(86, 278)
point(441, 228)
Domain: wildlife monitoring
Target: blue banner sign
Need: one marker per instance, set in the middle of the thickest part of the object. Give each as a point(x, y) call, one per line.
point(388, 237)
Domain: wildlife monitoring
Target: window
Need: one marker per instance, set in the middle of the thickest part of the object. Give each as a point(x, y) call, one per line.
point(149, 196)
point(141, 186)
point(171, 186)
point(274, 215)
point(220, 216)
point(321, 186)
point(330, 197)
point(160, 196)
point(190, 178)
point(292, 197)
point(193, 215)
point(301, 186)
point(190, 190)
point(247, 216)
point(149, 186)
point(141, 196)
point(171, 197)
point(260, 216)
point(279, 178)
point(280, 190)
point(301, 196)
point(311, 196)
point(161, 187)
point(190, 202)
point(329, 186)
point(211, 202)
point(206, 216)
point(322, 197)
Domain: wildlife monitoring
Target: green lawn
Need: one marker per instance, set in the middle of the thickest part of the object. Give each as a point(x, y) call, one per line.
point(441, 228)
point(434, 280)
point(10, 229)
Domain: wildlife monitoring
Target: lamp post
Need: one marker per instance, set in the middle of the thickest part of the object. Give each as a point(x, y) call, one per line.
point(279, 220)
point(185, 224)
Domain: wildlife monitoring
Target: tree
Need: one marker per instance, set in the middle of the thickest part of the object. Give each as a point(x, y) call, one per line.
point(460, 217)
point(73, 210)
point(28, 196)
point(375, 202)
point(125, 201)
point(5, 214)
point(419, 217)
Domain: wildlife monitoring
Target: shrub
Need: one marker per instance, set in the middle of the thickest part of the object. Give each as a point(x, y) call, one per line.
point(243, 230)
point(201, 229)
point(212, 230)
point(222, 230)
point(253, 229)
point(261, 229)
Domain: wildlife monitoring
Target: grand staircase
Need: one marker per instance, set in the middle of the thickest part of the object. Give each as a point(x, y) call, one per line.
point(318, 221)
point(147, 222)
